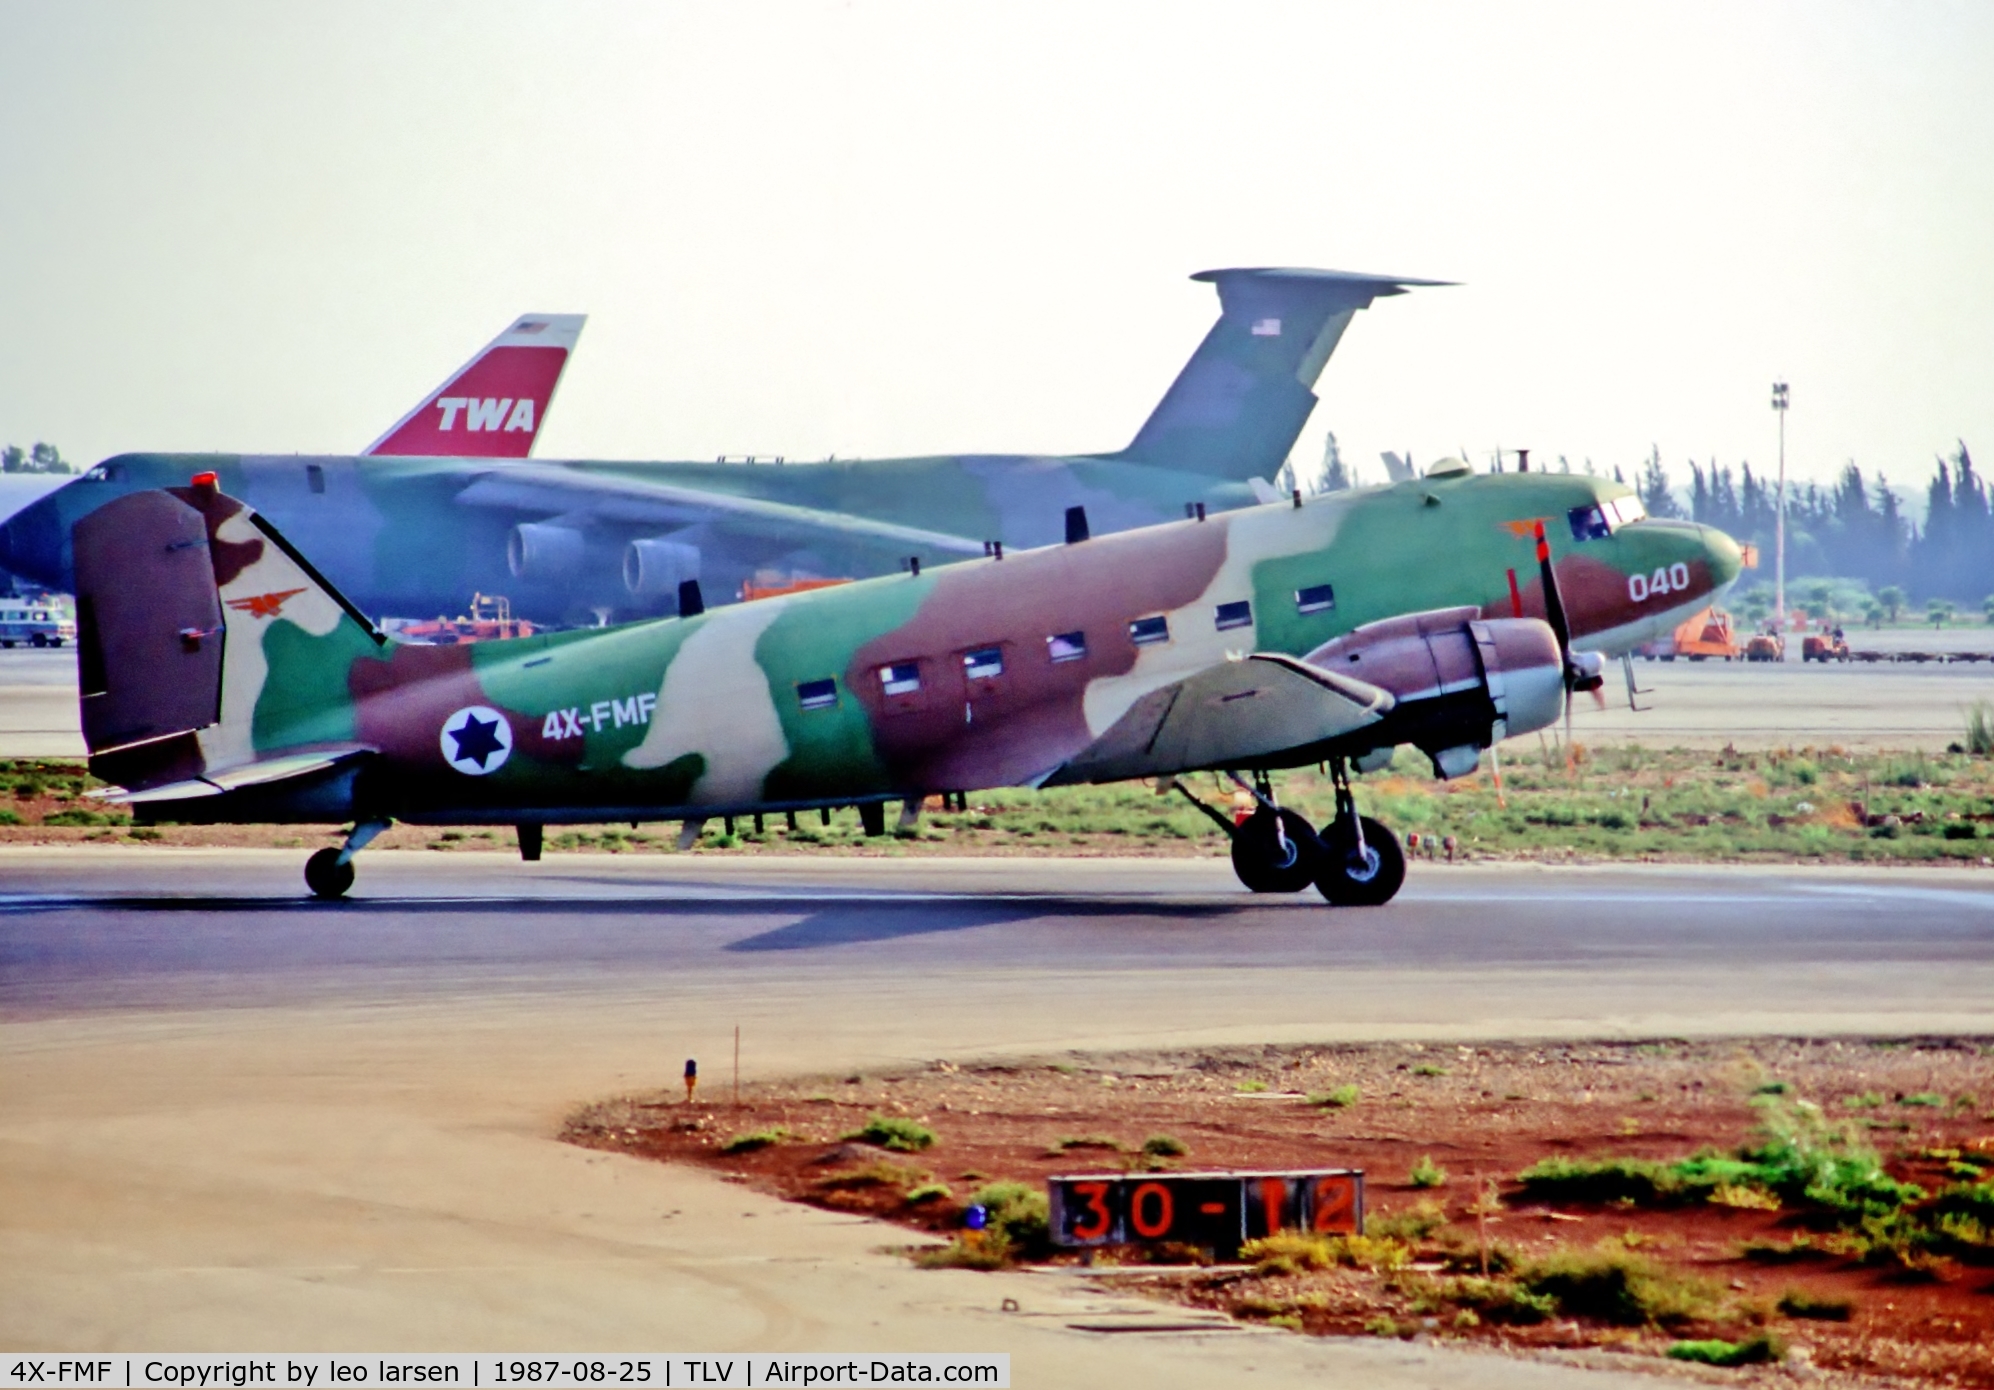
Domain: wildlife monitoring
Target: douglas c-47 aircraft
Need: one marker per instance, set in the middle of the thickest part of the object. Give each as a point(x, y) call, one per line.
point(222, 679)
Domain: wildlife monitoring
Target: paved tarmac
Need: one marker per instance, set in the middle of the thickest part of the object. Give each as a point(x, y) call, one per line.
point(233, 1118)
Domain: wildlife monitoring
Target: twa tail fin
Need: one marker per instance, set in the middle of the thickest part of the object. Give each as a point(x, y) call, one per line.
point(1241, 401)
point(206, 644)
point(492, 406)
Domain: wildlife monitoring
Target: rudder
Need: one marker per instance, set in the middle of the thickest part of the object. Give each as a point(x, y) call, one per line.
point(176, 593)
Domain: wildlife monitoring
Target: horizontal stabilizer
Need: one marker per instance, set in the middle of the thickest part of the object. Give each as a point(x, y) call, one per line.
point(1241, 401)
point(1235, 714)
point(265, 773)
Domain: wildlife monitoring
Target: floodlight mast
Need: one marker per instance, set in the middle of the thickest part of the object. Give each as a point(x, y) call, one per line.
point(1779, 520)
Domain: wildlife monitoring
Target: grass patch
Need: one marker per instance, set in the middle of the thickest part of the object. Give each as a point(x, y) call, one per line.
point(880, 1174)
point(1798, 1303)
point(1164, 1146)
point(1613, 1284)
point(1290, 1252)
point(1798, 1158)
point(1341, 1098)
point(1429, 1069)
point(759, 1139)
point(1087, 1141)
point(894, 1132)
point(930, 1192)
point(1018, 1215)
point(1764, 1349)
point(1427, 1173)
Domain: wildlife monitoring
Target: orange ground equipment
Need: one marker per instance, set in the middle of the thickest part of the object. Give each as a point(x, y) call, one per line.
point(1703, 636)
point(1824, 647)
point(490, 617)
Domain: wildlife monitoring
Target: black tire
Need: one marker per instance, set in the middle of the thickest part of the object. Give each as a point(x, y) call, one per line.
point(326, 876)
point(1370, 881)
point(1257, 858)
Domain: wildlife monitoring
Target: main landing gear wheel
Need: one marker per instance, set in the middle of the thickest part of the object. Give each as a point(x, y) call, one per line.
point(1350, 877)
point(1266, 865)
point(326, 876)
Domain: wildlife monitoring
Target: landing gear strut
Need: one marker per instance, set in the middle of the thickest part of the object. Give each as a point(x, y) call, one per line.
point(1353, 861)
point(1361, 864)
point(329, 873)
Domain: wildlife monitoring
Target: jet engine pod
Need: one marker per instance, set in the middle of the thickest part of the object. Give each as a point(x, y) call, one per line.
point(538, 550)
point(652, 567)
point(1462, 682)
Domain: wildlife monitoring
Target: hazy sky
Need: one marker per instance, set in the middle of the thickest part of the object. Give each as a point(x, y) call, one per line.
point(878, 228)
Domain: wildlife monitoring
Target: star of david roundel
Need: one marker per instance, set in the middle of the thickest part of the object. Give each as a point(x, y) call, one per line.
point(476, 740)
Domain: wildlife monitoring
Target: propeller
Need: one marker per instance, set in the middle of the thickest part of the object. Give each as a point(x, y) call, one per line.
point(1579, 675)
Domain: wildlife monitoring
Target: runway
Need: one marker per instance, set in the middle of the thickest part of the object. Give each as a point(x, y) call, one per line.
point(230, 1117)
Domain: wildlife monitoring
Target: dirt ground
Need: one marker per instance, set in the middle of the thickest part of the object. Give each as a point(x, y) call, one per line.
point(1434, 1128)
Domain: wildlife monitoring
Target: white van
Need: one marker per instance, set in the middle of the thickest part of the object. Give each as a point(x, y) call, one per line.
point(37, 624)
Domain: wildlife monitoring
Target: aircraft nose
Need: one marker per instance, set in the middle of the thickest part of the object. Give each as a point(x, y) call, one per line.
point(1722, 555)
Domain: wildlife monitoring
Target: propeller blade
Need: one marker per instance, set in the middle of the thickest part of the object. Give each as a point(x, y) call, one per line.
point(1554, 601)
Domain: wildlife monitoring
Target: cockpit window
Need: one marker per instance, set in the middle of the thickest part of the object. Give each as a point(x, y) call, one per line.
point(1590, 524)
point(106, 473)
point(1596, 523)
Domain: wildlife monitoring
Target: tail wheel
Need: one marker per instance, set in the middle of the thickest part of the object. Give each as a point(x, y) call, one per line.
point(1263, 863)
point(326, 876)
point(1350, 877)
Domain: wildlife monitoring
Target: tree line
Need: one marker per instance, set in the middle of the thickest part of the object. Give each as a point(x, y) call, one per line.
point(1855, 527)
point(40, 458)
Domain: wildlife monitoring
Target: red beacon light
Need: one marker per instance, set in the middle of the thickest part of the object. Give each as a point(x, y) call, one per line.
point(205, 482)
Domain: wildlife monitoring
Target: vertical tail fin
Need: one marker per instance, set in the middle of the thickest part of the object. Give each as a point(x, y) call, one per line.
point(492, 406)
point(206, 643)
point(1241, 401)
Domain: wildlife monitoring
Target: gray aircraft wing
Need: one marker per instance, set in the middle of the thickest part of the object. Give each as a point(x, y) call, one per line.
point(550, 490)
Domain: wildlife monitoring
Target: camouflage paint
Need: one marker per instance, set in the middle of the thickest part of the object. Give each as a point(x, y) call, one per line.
point(704, 716)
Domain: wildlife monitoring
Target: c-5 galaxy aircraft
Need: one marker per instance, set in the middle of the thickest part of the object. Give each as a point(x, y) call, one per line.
point(223, 679)
point(579, 542)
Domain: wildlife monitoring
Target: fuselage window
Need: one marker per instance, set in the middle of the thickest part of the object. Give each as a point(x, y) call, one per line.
point(1238, 614)
point(817, 694)
point(1317, 598)
point(1148, 631)
point(1066, 646)
point(901, 678)
point(985, 663)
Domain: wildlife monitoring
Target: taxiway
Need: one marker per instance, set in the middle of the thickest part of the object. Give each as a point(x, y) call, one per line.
point(234, 1118)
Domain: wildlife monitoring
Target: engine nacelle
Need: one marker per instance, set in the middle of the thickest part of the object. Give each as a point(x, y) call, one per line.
point(538, 550)
point(1463, 683)
point(652, 567)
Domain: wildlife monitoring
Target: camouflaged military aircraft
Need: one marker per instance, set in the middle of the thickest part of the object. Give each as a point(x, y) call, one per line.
point(223, 679)
point(579, 542)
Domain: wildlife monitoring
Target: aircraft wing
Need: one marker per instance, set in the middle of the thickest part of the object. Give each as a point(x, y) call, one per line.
point(550, 490)
point(1234, 714)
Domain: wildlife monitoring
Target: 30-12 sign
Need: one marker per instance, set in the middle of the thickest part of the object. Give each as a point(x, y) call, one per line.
point(1219, 1210)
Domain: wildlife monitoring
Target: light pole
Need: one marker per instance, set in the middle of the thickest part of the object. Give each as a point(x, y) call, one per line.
point(1779, 522)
